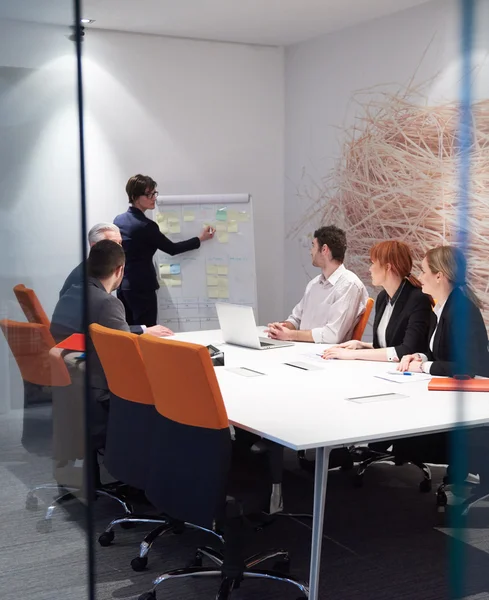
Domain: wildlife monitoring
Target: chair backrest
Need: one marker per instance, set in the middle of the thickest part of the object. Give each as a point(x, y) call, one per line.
point(362, 323)
point(30, 344)
point(132, 413)
point(192, 444)
point(31, 306)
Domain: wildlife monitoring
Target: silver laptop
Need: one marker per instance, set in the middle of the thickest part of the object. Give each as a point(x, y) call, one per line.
point(238, 327)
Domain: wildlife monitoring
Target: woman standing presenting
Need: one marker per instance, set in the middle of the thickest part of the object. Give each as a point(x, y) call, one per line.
point(141, 238)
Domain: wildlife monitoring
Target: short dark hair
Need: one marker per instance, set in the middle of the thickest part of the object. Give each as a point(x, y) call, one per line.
point(137, 186)
point(334, 238)
point(105, 257)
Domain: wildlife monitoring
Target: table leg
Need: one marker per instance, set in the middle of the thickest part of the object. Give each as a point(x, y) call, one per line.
point(320, 483)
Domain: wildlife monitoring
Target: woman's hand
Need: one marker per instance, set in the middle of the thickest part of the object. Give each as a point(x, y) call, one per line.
point(207, 233)
point(353, 345)
point(410, 362)
point(339, 353)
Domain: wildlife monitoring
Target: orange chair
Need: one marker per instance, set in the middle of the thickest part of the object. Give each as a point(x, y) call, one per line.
point(362, 323)
point(129, 431)
point(191, 459)
point(31, 306)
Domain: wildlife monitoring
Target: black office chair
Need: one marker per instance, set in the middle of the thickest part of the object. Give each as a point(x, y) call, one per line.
point(191, 460)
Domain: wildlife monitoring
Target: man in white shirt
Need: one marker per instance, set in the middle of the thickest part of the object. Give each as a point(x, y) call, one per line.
point(333, 301)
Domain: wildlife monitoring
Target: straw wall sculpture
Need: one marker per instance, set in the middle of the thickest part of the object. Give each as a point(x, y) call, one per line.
point(397, 178)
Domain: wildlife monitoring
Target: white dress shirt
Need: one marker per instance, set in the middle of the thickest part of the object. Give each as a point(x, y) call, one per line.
point(331, 307)
point(426, 366)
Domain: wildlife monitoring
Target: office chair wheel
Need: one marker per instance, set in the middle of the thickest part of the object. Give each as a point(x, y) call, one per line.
point(148, 596)
point(44, 526)
point(441, 499)
point(31, 503)
point(425, 486)
point(139, 564)
point(358, 481)
point(106, 538)
point(128, 525)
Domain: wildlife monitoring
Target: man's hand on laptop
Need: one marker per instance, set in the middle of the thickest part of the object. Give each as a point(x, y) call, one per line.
point(280, 331)
point(159, 331)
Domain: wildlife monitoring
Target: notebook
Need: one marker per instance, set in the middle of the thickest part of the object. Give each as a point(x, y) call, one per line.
point(449, 384)
point(74, 342)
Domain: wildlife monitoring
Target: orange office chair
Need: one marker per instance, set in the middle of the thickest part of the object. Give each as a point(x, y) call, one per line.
point(362, 323)
point(31, 306)
point(129, 432)
point(190, 463)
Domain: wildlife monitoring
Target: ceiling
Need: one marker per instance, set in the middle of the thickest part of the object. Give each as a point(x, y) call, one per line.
point(271, 22)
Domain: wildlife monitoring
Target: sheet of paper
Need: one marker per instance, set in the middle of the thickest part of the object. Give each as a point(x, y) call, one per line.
point(244, 372)
point(232, 226)
point(165, 270)
point(220, 227)
point(243, 216)
point(222, 270)
point(212, 269)
point(213, 292)
point(222, 237)
point(212, 280)
point(188, 215)
point(398, 377)
point(376, 398)
point(222, 214)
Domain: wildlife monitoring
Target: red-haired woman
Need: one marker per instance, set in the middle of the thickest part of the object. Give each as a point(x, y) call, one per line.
point(403, 314)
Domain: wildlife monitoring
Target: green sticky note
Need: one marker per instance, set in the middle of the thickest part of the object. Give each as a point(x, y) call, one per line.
point(222, 214)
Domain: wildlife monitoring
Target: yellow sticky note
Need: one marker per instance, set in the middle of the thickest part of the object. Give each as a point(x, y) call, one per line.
point(222, 237)
point(221, 226)
point(176, 280)
point(222, 282)
point(212, 292)
point(232, 215)
point(159, 217)
point(243, 216)
point(163, 226)
point(211, 269)
point(188, 215)
point(222, 270)
point(174, 227)
point(212, 280)
point(233, 227)
point(164, 270)
point(223, 293)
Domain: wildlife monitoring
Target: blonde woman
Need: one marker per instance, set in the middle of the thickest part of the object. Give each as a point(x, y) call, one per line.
point(443, 278)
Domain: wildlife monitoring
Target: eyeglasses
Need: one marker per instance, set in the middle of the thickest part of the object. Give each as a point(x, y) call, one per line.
point(152, 195)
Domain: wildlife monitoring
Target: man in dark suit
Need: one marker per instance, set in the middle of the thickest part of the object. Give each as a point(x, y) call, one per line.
point(105, 266)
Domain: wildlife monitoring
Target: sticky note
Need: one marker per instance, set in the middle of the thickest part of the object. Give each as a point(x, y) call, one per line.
point(243, 216)
point(159, 217)
point(212, 280)
point(165, 270)
point(173, 218)
point(222, 237)
point(222, 214)
point(220, 226)
point(212, 292)
point(188, 215)
point(222, 282)
point(176, 280)
point(232, 226)
point(164, 227)
point(223, 292)
point(222, 270)
point(175, 269)
point(232, 215)
point(174, 227)
point(211, 269)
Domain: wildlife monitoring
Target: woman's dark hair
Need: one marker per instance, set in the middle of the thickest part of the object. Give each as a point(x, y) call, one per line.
point(105, 257)
point(137, 186)
point(334, 238)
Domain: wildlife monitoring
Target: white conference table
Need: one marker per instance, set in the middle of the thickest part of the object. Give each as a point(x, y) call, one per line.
point(303, 409)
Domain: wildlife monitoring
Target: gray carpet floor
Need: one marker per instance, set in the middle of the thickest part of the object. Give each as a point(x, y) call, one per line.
point(384, 541)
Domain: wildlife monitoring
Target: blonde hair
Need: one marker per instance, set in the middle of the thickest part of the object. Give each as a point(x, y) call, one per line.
point(450, 261)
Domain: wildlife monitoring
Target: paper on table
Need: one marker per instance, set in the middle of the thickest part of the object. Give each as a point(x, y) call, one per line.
point(222, 237)
point(232, 227)
point(212, 280)
point(212, 269)
point(376, 398)
point(398, 377)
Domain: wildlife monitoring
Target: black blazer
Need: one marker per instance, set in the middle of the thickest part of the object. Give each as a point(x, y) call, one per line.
point(141, 238)
point(409, 325)
point(443, 354)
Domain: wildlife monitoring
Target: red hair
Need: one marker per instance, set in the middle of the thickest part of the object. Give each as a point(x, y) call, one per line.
point(398, 255)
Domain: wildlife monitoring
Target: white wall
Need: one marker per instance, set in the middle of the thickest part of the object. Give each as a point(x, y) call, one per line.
point(200, 118)
point(320, 79)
